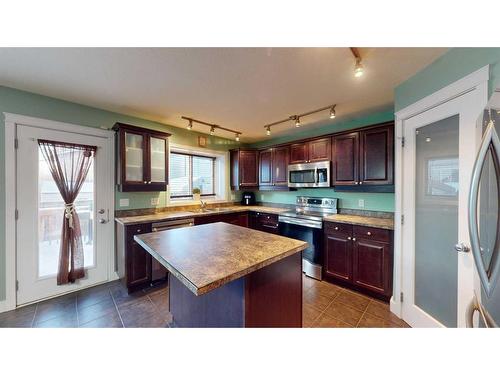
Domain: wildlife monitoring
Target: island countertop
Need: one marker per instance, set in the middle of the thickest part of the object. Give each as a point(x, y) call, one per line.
point(208, 256)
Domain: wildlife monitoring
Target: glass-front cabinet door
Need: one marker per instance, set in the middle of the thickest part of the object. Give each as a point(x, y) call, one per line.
point(142, 158)
point(158, 159)
point(134, 157)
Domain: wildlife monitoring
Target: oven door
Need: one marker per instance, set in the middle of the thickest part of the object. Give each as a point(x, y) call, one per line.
point(312, 256)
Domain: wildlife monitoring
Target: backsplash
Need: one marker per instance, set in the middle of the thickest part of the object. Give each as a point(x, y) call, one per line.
point(371, 201)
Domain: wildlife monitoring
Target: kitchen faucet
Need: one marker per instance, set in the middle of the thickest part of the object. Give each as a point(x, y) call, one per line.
point(203, 205)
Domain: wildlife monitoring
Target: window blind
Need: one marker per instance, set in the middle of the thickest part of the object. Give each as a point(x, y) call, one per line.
point(189, 171)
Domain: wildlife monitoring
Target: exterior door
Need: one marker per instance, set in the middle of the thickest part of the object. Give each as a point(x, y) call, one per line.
point(438, 157)
point(40, 209)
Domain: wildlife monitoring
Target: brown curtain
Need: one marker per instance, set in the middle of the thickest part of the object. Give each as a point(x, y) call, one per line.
point(69, 164)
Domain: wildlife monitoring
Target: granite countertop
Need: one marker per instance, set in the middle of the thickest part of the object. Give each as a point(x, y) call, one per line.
point(170, 215)
point(208, 256)
point(368, 221)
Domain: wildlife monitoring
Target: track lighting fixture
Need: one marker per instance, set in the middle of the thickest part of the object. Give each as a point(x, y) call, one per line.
point(297, 121)
point(332, 112)
point(212, 127)
point(296, 118)
point(358, 67)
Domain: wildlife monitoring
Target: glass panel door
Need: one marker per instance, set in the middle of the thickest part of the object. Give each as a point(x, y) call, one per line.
point(438, 158)
point(134, 151)
point(436, 206)
point(158, 152)
point(50, 215)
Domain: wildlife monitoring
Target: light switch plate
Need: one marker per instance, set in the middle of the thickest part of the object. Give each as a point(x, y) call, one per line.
point(361, 203)
point(154, 201)
point(124, 202)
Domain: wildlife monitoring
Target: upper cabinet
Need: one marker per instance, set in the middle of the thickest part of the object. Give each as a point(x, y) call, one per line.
point(345, 159)
point(244, 169)
point(273, 163)
point(377, 156)
point(142, 163)
point(311, 151)
point(364, 157)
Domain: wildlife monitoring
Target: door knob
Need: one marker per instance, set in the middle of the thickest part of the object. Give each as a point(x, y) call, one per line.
point(102, 221)
point(101, 211)
point(461, 247)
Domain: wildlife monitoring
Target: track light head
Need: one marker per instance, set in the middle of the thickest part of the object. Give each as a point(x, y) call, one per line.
point(297, 121)
point(237, 137)
point(332, 112)
point(358, 68)
point(268, 131)
point(190, 125)
point(212, 130)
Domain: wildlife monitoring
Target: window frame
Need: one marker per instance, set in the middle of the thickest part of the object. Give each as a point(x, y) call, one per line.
point(191, 155)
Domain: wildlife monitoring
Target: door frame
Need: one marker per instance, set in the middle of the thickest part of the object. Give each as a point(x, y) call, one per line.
point(11, 122)
point(477, 80)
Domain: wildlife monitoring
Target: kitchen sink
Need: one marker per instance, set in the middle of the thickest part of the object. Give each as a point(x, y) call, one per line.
point(218, 209)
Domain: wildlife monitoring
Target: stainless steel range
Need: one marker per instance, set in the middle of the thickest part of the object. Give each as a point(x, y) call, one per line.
point(306, 223)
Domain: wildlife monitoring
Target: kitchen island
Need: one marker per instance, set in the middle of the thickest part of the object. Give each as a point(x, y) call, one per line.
point(223, 275)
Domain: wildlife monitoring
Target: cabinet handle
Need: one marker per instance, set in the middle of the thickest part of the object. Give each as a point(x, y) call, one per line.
point(138, 231)
point(361, 182)
point(349, 238)
point(369, 233)
point(336, 228)
point(149, 182)
point(356, 183)
point(354, 239)
point(145, 182)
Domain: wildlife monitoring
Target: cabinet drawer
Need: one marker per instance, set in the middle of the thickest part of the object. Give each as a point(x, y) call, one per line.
point(269, 219)
point(332, 228)
point(376, 234)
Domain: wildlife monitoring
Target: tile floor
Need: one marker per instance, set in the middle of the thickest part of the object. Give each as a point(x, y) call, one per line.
point(108, 305)
point(327, 305)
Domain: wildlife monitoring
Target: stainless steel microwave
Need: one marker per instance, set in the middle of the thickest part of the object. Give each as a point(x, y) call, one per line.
point(308, 175)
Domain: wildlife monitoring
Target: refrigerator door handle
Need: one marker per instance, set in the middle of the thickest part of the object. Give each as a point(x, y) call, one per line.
point(488, 276)
point(474, 306)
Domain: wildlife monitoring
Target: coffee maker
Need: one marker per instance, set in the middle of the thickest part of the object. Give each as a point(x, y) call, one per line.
point(248, 199)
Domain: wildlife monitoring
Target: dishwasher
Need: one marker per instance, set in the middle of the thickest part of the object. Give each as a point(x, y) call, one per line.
point(158, 272)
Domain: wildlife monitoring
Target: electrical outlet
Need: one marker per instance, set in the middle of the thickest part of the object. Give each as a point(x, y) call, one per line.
point(233, 197)
point(124, 202)
point(361, 203)
point(155, 201)
point(262, 197)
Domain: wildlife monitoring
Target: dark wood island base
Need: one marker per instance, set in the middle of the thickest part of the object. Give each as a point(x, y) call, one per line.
point(268, 297)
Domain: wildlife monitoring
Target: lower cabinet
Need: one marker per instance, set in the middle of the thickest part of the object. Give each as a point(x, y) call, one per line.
point(136, 268)
point(264, 222)
point(238, 218)
point(360, 257)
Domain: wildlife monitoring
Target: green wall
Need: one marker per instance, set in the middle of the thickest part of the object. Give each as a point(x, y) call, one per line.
point(29, 104)
point(372, 201)
point(450, 67)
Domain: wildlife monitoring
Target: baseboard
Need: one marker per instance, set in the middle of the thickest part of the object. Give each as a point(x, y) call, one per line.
point(395, 307)
point(6, 306)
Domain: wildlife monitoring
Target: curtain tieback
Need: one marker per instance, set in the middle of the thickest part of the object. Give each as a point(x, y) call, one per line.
point(69, 209)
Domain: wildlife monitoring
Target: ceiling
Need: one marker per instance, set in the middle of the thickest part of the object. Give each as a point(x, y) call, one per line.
point(238, 88)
